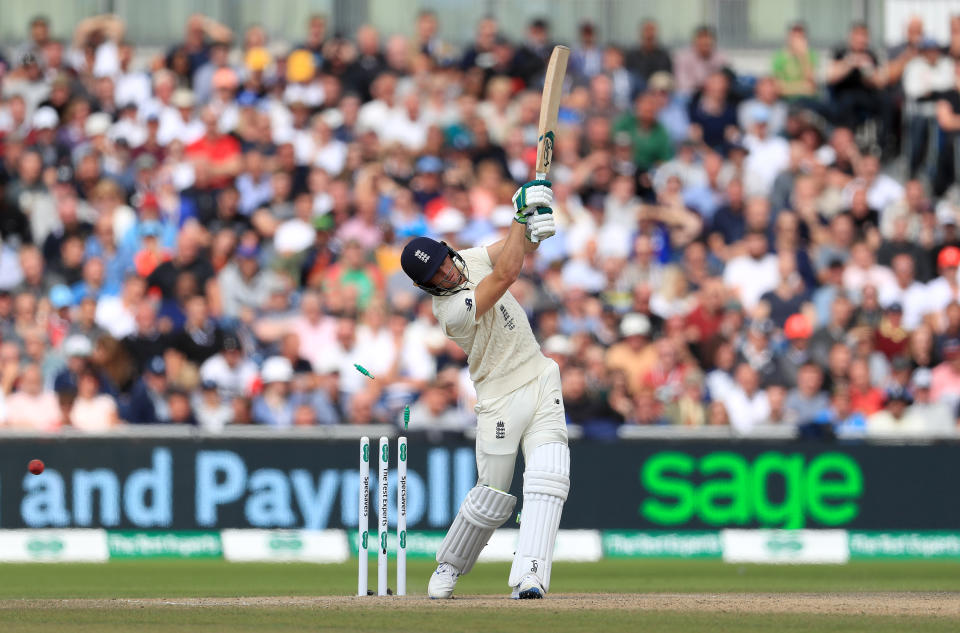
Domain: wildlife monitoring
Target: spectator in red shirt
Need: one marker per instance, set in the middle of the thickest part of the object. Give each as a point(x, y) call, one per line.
point(220, 153)
point(666, 376)
point(891, 338)
point(864, 397)
point(703, 322)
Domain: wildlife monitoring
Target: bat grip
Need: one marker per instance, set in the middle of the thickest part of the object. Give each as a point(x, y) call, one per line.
point(541, 175)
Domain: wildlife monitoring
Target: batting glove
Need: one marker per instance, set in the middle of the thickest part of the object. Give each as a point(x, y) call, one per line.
point(536, 193)
point(541, 225)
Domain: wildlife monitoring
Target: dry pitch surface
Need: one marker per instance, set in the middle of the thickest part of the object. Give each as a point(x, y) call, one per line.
point(937, 604)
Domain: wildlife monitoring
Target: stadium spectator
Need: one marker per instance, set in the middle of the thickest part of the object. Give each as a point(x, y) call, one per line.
point(693, 65)
point(239, 201)
point(92, 410)
point(30, 406)
point(649, 56)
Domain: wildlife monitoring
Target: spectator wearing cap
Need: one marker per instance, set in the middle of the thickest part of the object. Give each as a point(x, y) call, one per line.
point(76, 350)
point(61, 302)
point(229, 369)
point(31, 406)
point(768, 154)
point(893, 418)
point(632, 354)
point(92, 409)
point(43, 137)
point(177, 122)
point(147, 403)
point(936, 416)
point(807, 400)
point(746, 403)
point(273, 407)
point(945, 288)
point(797, 331)
point(891, 337)
point(945, 377)
point(244, 284)
point(212, 412)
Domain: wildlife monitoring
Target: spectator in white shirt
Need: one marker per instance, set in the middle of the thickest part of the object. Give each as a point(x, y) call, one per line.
point(375, 114)
point(882, 190)
point(179, 123)
point(318, 148)
point(754, 273)
point(906, 291)
point(115, 314)
point(230, 370)
point(863, 270)
point(406, 125)
point(746, 404)
point(769, 154)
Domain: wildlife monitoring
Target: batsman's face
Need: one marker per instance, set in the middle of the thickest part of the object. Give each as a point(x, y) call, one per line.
point(448, 276)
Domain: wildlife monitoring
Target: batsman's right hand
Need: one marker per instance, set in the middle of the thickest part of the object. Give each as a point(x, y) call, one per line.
point(536, 193)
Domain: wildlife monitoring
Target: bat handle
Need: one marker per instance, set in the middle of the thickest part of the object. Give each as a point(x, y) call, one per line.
point(541, 175)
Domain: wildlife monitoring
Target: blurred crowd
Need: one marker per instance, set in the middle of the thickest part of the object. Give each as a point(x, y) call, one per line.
point(210, 236)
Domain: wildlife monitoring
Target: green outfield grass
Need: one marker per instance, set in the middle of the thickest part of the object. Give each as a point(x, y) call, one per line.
point(22, 586)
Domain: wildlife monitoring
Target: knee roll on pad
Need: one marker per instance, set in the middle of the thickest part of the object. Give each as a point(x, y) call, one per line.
point(546, 483)
point(483, 510)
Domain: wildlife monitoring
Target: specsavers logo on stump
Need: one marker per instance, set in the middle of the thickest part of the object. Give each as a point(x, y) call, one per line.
point(725, 489)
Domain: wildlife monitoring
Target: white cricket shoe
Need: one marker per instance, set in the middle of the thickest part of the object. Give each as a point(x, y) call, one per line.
point(528, 589)
point(443, 581)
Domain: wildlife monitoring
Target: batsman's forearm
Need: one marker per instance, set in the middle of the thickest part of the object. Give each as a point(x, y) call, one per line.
point(510, 262)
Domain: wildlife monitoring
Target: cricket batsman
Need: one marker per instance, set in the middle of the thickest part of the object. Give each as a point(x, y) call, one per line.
point(519, 404)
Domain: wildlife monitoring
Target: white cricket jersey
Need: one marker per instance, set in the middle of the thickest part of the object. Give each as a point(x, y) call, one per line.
point(501, 350)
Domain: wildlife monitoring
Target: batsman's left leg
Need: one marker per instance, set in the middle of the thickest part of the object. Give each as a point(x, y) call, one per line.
point(546, 483)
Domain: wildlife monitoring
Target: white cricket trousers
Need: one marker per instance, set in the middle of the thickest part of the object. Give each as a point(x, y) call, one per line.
point(531, 415)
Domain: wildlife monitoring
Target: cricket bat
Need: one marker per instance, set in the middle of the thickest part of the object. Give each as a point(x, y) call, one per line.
point(549, 108)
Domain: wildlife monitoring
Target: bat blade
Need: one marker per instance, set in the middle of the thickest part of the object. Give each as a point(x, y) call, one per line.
point(549, 108)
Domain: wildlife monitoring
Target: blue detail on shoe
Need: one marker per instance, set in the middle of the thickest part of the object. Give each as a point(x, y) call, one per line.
point(533, 593)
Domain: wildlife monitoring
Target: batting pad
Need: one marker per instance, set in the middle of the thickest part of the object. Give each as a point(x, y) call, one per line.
point(482, 511)
point(546, 482)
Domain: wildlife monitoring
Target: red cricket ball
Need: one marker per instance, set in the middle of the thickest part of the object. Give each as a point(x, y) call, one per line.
point(35, 466)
